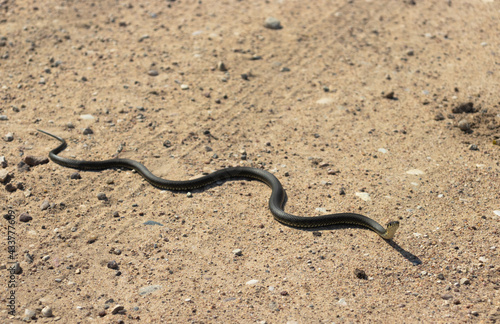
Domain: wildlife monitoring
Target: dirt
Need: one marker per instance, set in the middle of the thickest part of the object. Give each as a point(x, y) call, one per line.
point(389, 109)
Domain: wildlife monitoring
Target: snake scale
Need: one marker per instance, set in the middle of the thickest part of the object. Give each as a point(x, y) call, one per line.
point(276, 201)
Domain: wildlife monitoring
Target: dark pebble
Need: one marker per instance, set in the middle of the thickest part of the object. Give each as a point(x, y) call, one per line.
point(113, 265)
point(316, 233)
point(102, 196)
point(360, 274)
point(167, 144)
point(75, 176)
point(284, 293)
point(464, 108)
point(102, 313)
point(24, 217)
point(447, 296)
point(88, 131)
point(10, 187)
point(390, 95)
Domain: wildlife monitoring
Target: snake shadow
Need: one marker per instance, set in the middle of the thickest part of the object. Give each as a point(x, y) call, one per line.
point(412, 258)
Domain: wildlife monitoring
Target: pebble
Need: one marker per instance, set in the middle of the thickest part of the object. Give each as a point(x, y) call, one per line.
point(152, 223)
point(113, 265)
point(75, 176)
point(464, 281)
point(29, 314)
point(483, 259)
point(238, 252)
point(24, 217)
point(35, 160)
point(117, 309)
point(221, 66)
point(439, 116)
point(389, 95)
point(360, 274)
point(143, 291)
point(272, 23)
point(447, 296)
point(252, 282)
point(410, 52)
point(83, 117)
point(3, 117)
point(363, 195)
point(496, 212)
point(325, 101)
point(184, 86)
point(464, 125)
point(17, 268)
point(440, 276)
point(88, 131)
point(9, 137)
point(321, 210)
point(464, 108)
point(153, 73)
point(382, 150)
point(47, 311)
point(4, 176)
point(415, 172)
point(3, 162)
point(189, 195)
point(45, 205)
point(473, 147)
point(342, 302)
point(102, 196)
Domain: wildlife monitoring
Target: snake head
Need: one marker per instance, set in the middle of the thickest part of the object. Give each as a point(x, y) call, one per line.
point(391, 230)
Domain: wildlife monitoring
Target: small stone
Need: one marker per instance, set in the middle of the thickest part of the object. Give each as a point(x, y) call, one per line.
point(360, 274)
point(17, 268)
point(238, 252)
point(272, 23)
point(447, 296)
point(3, 117)
point(113, 265)
point(317, 233)
point(440, 276)
point(29, 314)
point(153, 73)
point(35, 160)
point(342, 302)
point(102, 196)
point(75, 176)
point(143, 291)
point(10, 187)
point(85, 117)
point(252, 282)
point(24, 217)
point(342, 191)
point(189, 195)
point(3, 162)
point(42, 81)
point(9, 137)
point(102, 313)
point(117, 309)
point(4, 176)
point(167, 144)
point(221, 66)
point(389, 95)
point(415, 172)
point(45, 205)
point(88, 131)
point(464, 125)
point(464, 281)
point(92, 239)
point(47, 312)
point(150, 222)
point(365, 196)
point(184, 86)
point(439, 116)
point(410, 52)
point(464, 108)
point(474, 313)
point(473, 147)
point(284, 293)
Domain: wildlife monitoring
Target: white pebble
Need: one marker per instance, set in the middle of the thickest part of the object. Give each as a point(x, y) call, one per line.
point(342, 302)
point(382, 150)
point(47, 312)
point(86, 117)
point(363, 195)
point(415, 172)
point(252, 282)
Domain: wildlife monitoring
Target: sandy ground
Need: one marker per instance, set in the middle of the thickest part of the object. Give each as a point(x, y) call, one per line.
point(354, 105)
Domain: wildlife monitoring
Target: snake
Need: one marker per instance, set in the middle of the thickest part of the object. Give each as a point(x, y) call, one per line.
point(276, 201)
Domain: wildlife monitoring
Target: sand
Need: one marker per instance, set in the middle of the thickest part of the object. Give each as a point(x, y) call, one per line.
point(389, 109)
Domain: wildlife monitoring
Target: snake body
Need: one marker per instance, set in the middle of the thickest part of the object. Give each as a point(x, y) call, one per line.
point(276, 201)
